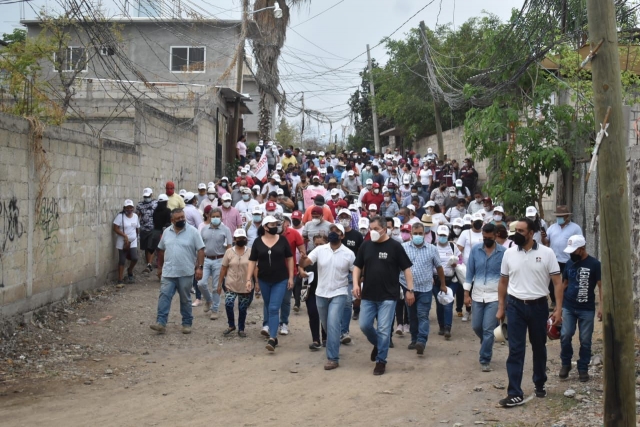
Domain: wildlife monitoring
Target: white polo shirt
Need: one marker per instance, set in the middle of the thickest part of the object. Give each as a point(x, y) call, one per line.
point(529, 271)
point(333, 269)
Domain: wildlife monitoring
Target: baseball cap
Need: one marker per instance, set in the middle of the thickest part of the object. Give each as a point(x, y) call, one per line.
point(224, 178)
point(269, 143)
point(258, 149)
point(411, 207)
point(275, 177)
point(406, 227)
point(128, 202)
point(226, 196)
point(182, 192)
point(211, 189)
point(321, 153)
point(575, 242)
point(296, 215)
point(467, 219)
point(268, 220)
point(373, 207)
point(338, 226)
point(353, 207)
point(147, 192)
point(364, 150)
point(256, 187)
point(240, 233)
point(397, 223)
point(202, 186)
point(488, 200)
point(280, 192)
point(443, 230)
point(363, 223)
point(335, 192)
point(278, 166)
point(317, 210)
point(406, 179)
point(344, 212)
point(498, 209)
point(376, 185)
point(246, 190)
point(430, 204)
point(531, 212)
point(429, 150)
point(270, 206)
point(163, 198)
point(256, 211)
point(208, 209)
point(368, 182)
point(350, 173)
point(188, 196)
point(477, 216)
point(458, 183)
point(458, 222)
point(211, 184)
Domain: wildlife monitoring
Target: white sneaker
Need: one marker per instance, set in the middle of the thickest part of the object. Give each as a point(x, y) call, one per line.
point(265, 331)
point(284, 329)
point(399, 330)
point(407, 329)
point(465, 316)
point(196, 303)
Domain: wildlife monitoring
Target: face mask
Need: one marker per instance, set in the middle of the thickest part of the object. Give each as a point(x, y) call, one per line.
point(375, 236)
point(272, 230)
point(405, 236)
point(224, 184)
point(477, 224)
point(487, 208)
point(368, 168)
point(478, 200)
point(519, 239)
point(369, 187)
point(212, 197)
point(181, 224)
point(315, 221)
point(442, 239)
point(497, 217)
point(457, 231)
point(334, 237)
point(241, 242)
point(395, 232)
point(216, 221)
point(169, 192)
point(575, 257)
point(296, 222)
point(246, 197)
point(279, 229)
point(257, 218)
point(560, 220)
point(387, 199)
point(488, 242)
point(146, 199)
point(345, 223)
point(414, 194)
point(363, 231)
point(401, 218)
point(226, 204)
point(417, 240)
point(376, 191)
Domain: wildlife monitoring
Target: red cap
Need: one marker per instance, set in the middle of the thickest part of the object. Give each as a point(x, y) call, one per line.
point(208, 209)
point(487, 199)
point(411, 153)
point(342, 203)
point(296, 215)
point(376, 185)
point(271, 206)
point(317, 210)
point(406, 227)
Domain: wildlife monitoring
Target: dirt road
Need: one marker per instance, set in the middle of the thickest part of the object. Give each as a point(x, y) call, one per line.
point(97, 363)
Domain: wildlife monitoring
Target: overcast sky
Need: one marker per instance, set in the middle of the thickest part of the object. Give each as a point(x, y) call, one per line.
point(327, 34)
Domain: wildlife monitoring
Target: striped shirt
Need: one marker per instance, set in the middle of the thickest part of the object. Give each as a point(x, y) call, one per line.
point(425, 259)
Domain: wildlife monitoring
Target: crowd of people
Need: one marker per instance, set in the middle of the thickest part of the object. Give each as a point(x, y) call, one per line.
point(373, 238)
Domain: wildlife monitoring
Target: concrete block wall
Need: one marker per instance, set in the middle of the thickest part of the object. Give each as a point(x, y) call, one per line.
point(57, 240)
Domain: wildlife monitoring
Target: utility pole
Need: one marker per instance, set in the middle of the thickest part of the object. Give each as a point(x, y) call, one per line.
point(435, 96)
point(239, 76)
point(617, 292)
point(372, 89)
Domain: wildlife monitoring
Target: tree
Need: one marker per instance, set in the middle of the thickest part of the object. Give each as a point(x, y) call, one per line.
point(287, 134)
point(17, 36)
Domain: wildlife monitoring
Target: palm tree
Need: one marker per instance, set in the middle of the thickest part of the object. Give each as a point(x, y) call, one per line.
point(267, 46)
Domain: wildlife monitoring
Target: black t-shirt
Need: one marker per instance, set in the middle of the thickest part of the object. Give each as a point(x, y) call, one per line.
point(161, 216)
point(313, 268)
point(353, 240)
point(272, 265)
point(382, 263)
point(583, 277)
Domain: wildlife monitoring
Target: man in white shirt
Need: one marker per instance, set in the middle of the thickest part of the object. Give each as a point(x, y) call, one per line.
point(525, 273)
point(476, 204)
point(335, 262)
point(192, 214)
point(466, 241)
point(246, 205)
point(368, 187)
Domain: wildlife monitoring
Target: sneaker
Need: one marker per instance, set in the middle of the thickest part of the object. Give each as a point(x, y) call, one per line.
point(296, 308)
point(584, 376)
point(511, 401)
point(147, 269)
point(447, 332)
point(459, 313)
point(411, 346)
point(186, 330)
point(160, 329)
point(265, 331)
point(420, 348)
point(214, 315)
point(399, 330)
point(196, 303)
point(345, 339)
point(465, 316)
point(486, 367)
point(407, 330)
point(330, 365)
point(284, 329)
point(355, 316)
point(441, 331)
point(120, 284)
point(314, 346)
point(541, 391)
point(272, 344)
point(207, 306)
point(379, 369)
point(374, 353)
point(130, 278)
point(564, 371)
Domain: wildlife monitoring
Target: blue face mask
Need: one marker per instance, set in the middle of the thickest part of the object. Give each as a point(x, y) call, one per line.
point(257, 218)
point(560, 220)
point(216, 221)
point(417, 240)
point(401, 218)
point(443, 239)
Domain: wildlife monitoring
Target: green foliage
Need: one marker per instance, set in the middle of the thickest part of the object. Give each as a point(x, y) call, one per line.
point(287, 134)
point(17, 36)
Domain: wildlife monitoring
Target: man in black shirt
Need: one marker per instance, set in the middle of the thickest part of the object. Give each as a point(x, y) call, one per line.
point(381, 260)
point(352, 240)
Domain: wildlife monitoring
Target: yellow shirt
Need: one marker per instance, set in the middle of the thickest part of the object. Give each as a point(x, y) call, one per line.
point(175, 202)
point(288, 161)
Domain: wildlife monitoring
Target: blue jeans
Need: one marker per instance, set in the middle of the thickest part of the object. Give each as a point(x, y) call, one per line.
point(521, 318)
point(273, 293)
point(168, 288)
point(584, 320)
point(384, 312)
point(330, 311)
point(419, 316)
point(483, 323)
point(211, 269)
point(444, 312)
point(346, 315)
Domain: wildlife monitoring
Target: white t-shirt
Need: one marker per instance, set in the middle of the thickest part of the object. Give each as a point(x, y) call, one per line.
point(529, 272)
point(468, 239)
point(438, 219)
point(426, 176)
point(333, 269)
point(130, 226)
point(445, 257)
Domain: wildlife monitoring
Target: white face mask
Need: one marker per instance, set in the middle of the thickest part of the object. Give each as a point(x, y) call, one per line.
point(315, 221)
point(212, 197)
point(497, 217)
point(226, 204)
point(375, 236)
point(457, 230)
point(345, 223)
point(376, 191)
point(387, 199)
point(487, 208)
point(369, 187)
point(395, 232)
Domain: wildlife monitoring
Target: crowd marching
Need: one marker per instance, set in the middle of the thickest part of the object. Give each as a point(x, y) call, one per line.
point(370, 237)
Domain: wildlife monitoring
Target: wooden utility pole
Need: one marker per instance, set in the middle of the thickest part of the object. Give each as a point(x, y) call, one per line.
point(617, 292)
point(372, 89)
point(435, 96)
point(239, 73)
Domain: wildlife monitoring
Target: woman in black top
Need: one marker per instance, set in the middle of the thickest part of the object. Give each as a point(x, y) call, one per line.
point(272, 254)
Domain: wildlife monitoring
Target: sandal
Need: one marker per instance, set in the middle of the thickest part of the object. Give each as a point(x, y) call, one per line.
point(242, 334)
point(228, 331)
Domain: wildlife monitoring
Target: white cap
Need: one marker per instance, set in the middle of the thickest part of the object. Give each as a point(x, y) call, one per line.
point(279, 166)
point(234, 184)
point(270, 143)
point(128, 202)
point(258, 149)
point(313, 152)
point(226, 196)
point(477, 216)
point(351, 173)
point(322, 170)
point(373, 207)
point(163, 198)
point(430, 204)
point(338, 226)
point(353, 207)
point(498, 209)
point(211, 184)
point(397, 223)
point(363, 223)
point(260, 142)
point(443, 230)
point(147, 192)
point(269, 219)
point(429, 150)
point(240, 233)
point(202, 186)
point(211, 189)
point(321, 153)
point(531, 212)
point(280, 192)
point(385, 189)
point(224, 178)
point(256, 187)
point(182, 192)
point(256, 211)
point(406, 179)
point(245, 190)
point(276, 177)
point(244, 170)
point(411, 207)
point(458, 183)
point(335, 192)
point(364, 150)
point(189, 196)
point(345, 212)
point(575, 242)
point(458, 222)
point(368, 182)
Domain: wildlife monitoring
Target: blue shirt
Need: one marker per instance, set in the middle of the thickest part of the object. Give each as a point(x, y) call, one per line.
point(180, 250)
point(425, 260)
point(558, 238)
point(484, 272)
point(583, 276)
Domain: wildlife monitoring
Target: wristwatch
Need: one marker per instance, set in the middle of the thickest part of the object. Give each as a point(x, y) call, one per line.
point(200, 267)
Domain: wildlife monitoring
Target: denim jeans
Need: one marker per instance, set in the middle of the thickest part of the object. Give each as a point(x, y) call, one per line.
point(168, 288)
point(384, 312)
point(346, 315)
point(445, 312)
point(330, 311)
point(584, 320)
point(483, 323)
point(273, 293)
point(419, 316)
point(521, 318)
point(244, 301)
point(211, 269)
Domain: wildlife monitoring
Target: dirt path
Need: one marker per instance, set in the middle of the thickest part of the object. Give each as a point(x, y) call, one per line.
point(98, 363)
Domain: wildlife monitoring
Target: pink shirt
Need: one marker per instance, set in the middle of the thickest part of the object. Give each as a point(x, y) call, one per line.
point(231, 218)
point(242, 148)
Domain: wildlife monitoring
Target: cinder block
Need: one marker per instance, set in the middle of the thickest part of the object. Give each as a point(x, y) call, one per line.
point(13, 293)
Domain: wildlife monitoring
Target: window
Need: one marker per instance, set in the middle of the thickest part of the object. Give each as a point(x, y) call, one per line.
point(186, 59)
point(75, 58)
point(107, 50)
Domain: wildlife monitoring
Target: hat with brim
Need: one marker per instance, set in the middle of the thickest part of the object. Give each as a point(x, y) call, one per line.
point(562, 210)
point(512, 228)
point(501, 332)
point(426, 220)
point(268, 220)
point(574, 243)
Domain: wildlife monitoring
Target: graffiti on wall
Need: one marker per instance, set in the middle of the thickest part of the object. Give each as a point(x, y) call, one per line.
point(10, 226)
point(48, 215)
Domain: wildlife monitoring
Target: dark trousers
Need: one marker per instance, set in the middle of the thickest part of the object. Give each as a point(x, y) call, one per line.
point(552, 293)
point(521, 318)
point(195, 286)
point(314, 320)
point(297, 290)
point(460, 299)
point(402, 314)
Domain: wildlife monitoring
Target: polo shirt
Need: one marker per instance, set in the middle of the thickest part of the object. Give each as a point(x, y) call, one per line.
point(216, 240)
point(333, 269)
point(231, 218)
point(180, 250)
point(529, 271)
point(558, 238)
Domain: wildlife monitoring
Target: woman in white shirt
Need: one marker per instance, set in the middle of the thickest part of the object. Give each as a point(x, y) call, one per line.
point(126, 225)
point(437, 216)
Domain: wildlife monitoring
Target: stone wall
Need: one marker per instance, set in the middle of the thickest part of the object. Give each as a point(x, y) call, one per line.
point(56, 235)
